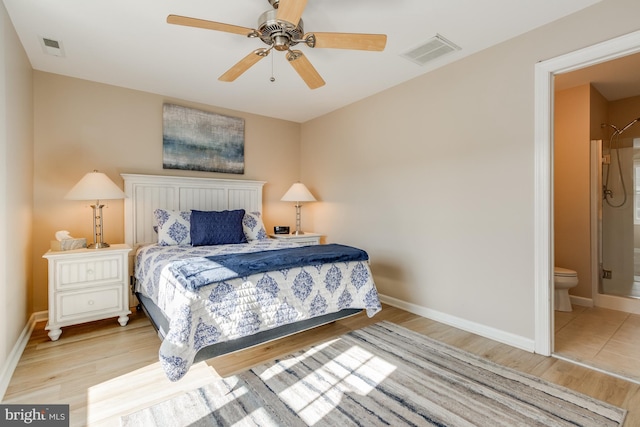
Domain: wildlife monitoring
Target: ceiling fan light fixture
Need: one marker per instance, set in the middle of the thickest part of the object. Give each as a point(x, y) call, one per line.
point(273, 31)
point(281, 43)
point(282, 28)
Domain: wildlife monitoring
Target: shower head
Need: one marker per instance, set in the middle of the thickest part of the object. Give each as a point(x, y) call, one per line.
point(630, 124)
point(604, 125)
point(619, 131)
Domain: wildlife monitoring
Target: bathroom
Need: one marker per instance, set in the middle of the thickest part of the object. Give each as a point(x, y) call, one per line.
point(595, 138)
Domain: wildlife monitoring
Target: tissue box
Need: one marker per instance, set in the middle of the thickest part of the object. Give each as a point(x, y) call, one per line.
point(68, 244)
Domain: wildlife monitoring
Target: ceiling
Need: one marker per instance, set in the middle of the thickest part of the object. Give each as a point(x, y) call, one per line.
point(129, 44)
point(615, 79)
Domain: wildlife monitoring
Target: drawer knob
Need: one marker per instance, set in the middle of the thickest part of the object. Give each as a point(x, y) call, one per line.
point(90, 302)
point(90, 271)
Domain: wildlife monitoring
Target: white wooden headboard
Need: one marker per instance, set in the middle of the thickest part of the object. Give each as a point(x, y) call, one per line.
point(145, 193)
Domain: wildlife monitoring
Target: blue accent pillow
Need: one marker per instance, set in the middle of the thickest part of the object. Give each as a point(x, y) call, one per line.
point(217, 227)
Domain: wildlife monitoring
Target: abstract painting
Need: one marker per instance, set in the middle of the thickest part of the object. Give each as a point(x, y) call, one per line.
point(202, 141)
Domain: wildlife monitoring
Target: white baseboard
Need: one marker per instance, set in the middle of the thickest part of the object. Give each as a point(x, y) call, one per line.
point(513, 340)
point(14, 357)
point(581, 301)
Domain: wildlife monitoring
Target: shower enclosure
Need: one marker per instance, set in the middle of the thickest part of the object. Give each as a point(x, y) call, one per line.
point(616, 220)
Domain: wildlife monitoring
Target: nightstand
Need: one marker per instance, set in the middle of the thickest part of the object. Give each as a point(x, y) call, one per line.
point(87, 285)
point(304, 239)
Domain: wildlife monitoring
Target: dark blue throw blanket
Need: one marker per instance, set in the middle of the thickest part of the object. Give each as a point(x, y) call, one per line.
point(230, 266)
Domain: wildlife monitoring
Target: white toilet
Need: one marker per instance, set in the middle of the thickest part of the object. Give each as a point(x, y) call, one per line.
point(563, 280)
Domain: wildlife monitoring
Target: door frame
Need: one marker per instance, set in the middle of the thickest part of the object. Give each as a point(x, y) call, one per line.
point(543, 170)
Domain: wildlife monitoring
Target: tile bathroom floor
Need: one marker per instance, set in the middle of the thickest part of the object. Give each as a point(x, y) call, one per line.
point(599, 337)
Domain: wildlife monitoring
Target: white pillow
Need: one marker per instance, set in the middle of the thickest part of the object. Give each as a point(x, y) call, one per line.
point(174, 227)
point(253, 226)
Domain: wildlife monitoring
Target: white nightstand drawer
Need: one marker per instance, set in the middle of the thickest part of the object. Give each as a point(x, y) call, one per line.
point(83, 304)
point(303, 239)
point(86, 285)
point(89, 271)
point(307, 240)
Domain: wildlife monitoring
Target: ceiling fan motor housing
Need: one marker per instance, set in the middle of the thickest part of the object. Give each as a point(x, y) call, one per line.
point(278, 33)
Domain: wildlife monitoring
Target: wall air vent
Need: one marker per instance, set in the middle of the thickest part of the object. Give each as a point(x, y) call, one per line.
point(432, 49)
point(51, 46)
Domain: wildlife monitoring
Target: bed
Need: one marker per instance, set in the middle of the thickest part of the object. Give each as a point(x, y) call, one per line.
point(211, 288)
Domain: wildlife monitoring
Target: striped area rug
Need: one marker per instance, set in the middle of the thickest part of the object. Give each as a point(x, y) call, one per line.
point(380, 375)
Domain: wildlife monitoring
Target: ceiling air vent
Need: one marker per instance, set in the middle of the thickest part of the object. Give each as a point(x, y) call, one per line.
point(432, 49)
point(51, 46)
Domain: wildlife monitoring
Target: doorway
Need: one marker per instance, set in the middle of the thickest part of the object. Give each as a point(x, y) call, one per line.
point(543, 258)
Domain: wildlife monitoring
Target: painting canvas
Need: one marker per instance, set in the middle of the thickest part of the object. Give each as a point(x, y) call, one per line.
point(203, 141)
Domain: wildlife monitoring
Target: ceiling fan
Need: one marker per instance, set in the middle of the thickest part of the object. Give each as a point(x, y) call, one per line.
point(282, 28)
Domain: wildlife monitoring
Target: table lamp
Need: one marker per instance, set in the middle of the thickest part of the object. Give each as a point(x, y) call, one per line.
point(96, 186)
point(298, 193)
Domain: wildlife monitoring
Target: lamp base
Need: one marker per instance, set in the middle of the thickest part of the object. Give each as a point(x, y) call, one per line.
point(98, 245)
point(297, 232)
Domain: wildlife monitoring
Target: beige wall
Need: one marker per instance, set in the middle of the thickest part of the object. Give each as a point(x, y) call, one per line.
point(624, 111)
point(598, 115)
point(82, 125)
point(435, 177)
point(572, 193)
point(16, 178)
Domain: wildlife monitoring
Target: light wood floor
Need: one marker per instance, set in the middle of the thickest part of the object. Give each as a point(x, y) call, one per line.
point(599, 337)
point(104, 371)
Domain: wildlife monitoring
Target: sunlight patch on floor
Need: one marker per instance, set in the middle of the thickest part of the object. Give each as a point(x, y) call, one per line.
point(354, 371)
point(105, 400)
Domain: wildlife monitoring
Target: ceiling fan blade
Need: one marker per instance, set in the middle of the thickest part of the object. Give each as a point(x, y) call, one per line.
point(291, 10)
point(243, 65)
point(208, 25)
point(304, 68)
point(375, 42)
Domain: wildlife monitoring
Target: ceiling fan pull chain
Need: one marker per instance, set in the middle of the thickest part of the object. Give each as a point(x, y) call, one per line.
point(272, 79)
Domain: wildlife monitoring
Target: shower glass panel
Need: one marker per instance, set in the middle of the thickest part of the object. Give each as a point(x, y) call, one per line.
point(620, 226)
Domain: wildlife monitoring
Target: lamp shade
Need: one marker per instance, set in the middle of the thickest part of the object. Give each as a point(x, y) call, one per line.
point(298, 193)
point(95, 186)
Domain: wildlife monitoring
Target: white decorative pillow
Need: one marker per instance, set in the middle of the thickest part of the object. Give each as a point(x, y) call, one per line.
point(253, 226)
point(174, 227)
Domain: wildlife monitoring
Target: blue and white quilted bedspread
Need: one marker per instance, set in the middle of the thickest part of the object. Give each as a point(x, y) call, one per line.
point(243, 306)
